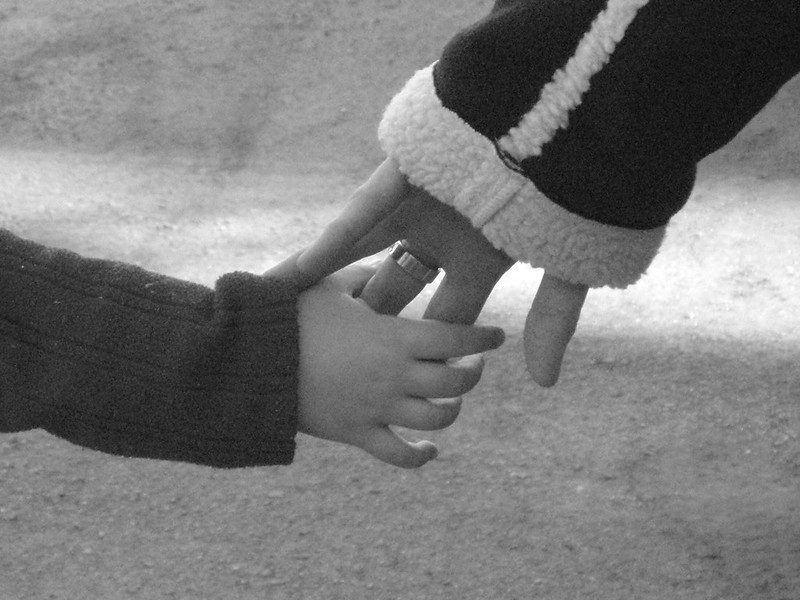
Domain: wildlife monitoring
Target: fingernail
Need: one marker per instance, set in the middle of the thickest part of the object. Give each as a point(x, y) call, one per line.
point(468, 361)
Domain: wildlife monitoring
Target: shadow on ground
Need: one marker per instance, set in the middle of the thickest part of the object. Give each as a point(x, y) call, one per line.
point(681, 484)
point(194, 137)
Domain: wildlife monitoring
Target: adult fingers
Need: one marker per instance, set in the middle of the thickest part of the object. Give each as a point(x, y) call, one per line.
point(386, 445)
point(436, 379)
point(460, 297)
point(470, 275)
point(348, 237)
point(551, 323)
point(391, 289)
point(434, 340)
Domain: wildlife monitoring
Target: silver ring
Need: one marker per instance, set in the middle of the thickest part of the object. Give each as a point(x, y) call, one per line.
point(411, 264)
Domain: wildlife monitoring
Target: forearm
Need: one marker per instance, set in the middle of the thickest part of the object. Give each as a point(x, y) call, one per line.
point(118, 359)
point(569, 132)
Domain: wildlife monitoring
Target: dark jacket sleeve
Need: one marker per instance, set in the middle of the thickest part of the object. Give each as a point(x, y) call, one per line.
point(569, 131)
point(121, 360)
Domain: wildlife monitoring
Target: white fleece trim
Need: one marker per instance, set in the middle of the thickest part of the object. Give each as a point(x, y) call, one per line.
point(441, 153)
point(565, 91)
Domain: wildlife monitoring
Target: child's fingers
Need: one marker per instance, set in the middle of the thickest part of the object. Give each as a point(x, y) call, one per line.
point(386, 445)
point(427, 379)
point(424, 415)
point(433, 340)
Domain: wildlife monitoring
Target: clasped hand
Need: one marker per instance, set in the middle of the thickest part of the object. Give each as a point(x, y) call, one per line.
point(386, 208)
point(361, 373)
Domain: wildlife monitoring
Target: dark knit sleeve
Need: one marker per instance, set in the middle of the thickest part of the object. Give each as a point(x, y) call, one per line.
point(128, 362)
point(569, 131)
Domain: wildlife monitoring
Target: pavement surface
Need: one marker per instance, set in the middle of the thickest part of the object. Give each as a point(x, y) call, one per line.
point(195, 137)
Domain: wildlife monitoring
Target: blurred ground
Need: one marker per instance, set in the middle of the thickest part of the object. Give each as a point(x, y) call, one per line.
point(197, 137)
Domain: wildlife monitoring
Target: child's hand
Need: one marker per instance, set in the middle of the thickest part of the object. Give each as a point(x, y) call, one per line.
point(387, 208)
point(361, 372)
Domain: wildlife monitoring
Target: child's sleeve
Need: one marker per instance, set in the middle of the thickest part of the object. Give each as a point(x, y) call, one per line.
point(121, 360)
point(569, 132)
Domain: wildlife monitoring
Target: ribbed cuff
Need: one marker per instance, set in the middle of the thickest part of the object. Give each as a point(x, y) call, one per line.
point(440, 152)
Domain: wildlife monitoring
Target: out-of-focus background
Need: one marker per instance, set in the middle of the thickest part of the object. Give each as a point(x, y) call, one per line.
point(195, 137)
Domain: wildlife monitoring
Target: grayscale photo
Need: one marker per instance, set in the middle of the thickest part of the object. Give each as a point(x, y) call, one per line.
point(395, 300)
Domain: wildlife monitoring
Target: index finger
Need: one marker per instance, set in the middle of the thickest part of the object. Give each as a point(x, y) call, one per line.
point(435, 340)
point(356, 233)
point(550, 325)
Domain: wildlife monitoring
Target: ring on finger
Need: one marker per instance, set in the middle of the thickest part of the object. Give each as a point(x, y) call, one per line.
point(412, 265)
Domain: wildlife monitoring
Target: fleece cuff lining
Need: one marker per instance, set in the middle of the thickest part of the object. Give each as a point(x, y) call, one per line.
point(439, 152)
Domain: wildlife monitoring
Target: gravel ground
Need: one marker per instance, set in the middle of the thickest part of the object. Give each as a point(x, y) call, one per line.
point(198, 137)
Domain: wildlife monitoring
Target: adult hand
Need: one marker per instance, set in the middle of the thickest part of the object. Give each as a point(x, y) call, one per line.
point(361, 372)
point(387, 208)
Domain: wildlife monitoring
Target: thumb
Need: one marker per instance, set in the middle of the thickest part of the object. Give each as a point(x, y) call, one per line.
point(550, 325)
point(288, 270)
point(360, 230)
point(357, 232)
